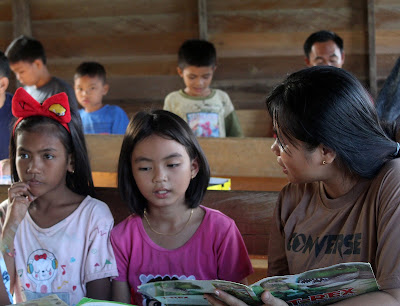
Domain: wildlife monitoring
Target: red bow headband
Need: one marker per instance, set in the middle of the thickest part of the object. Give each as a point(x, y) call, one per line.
point(55, 107)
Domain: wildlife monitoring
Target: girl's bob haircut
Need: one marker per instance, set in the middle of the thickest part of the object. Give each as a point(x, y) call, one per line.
point(169, 126)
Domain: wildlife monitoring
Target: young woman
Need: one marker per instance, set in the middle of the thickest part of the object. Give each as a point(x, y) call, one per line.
point(343, 200)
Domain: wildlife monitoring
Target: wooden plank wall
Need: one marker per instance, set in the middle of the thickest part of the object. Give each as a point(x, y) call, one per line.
point(258, 41)
point(387, 22)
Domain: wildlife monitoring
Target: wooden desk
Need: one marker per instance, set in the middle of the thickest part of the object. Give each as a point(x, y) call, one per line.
point(109, 179)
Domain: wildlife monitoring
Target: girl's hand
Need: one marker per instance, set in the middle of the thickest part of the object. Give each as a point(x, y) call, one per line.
point(227, 299)
point(19, 199)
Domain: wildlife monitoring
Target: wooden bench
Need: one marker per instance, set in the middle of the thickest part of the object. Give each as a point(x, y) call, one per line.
point(251, 210)
point(249, 162)
point(254, 122)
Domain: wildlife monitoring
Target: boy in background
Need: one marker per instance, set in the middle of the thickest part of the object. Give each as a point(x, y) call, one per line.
point(6, 116)
point(90, 87)
point(28, 61)
point(209, 112)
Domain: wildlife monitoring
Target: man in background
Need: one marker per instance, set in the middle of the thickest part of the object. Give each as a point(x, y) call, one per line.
point(324, 48)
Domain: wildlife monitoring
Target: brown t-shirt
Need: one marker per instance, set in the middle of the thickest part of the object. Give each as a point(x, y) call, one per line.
point(312, 231)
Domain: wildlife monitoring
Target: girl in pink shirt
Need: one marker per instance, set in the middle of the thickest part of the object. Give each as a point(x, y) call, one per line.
point(163, 176)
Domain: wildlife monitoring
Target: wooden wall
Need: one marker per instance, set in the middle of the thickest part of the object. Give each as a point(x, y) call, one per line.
point(387, 25)
point(258, 41)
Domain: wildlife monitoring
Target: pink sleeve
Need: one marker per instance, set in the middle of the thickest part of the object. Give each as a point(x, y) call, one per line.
point(233, 260)
point(120, 252)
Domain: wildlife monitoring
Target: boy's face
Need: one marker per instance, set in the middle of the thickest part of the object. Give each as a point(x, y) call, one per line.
point(89, 92)
point(197, 80)
point(27, 73)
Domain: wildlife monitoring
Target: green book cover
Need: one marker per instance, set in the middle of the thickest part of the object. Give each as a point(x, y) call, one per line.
point(93, 302)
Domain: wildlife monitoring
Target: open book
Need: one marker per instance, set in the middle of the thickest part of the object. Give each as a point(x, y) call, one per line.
point(94, 302)
point(323, 286)
point(48, 300)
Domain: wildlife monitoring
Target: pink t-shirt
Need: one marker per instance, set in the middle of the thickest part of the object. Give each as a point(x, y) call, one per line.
point(215, 251)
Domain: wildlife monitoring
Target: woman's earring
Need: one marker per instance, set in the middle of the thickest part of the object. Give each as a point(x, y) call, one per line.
point(324, 162)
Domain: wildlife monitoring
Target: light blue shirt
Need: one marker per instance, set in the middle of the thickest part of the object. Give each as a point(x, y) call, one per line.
point(110, 119)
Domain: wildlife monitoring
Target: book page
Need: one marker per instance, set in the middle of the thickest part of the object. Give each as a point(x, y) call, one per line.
point(315, 287)
point(190, 292)
point(322, 286)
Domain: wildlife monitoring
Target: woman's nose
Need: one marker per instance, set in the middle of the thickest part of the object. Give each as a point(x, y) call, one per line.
point(275, 148)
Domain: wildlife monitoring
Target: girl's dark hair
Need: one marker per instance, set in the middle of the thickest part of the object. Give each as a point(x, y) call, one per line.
point(327, 105)
point(80, 181)
point(169, 126)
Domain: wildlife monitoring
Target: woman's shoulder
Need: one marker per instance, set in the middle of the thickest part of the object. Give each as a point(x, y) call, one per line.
point(390, 170)
point(293, 190)
point(292, 194)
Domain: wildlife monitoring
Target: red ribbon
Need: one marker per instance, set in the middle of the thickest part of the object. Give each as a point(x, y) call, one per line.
point(43, 256)
point(55, 107)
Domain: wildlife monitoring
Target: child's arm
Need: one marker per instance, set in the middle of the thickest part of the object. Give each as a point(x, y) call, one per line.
point(99, 289)
point(232, 125)
point(5, 295)
point(19, 199)
point(121, 292)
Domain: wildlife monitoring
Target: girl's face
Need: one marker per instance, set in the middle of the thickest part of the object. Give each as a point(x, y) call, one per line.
point(42, 162)
point(299, 164)
point(162, 170)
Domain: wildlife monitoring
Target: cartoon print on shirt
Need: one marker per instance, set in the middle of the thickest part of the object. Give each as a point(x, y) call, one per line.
point(144, 279)
point(204, 124)
point(42, 269)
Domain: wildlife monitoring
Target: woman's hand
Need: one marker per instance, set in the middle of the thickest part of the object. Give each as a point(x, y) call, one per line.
point(227, 299)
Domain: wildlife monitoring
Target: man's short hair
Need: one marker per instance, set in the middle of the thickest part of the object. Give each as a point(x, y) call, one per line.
point(197, 52)
point(4, 66)
point(26, 49)
point(91, 69)
point(322, 36)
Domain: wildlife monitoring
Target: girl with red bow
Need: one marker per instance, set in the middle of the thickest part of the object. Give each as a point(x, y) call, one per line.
point(52, 230)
